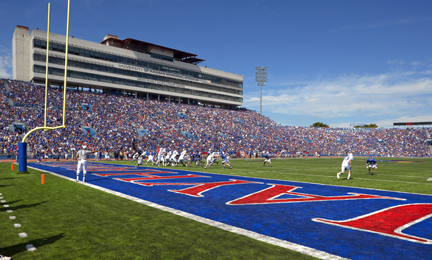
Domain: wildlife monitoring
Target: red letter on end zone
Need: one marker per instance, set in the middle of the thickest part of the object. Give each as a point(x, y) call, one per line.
point(388, 222)
point(200, 188)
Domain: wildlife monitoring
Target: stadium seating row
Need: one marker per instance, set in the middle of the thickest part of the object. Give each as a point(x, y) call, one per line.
point(121, 123)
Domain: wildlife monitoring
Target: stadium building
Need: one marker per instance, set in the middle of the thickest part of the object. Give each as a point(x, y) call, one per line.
point(128, 66)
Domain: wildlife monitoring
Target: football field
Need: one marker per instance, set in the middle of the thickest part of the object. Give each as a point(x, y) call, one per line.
point(296, 209)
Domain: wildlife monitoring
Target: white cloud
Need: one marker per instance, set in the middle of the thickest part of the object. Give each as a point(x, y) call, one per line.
point(378, 24)
point(395, 62)
point(390, 96)
point(5, 65)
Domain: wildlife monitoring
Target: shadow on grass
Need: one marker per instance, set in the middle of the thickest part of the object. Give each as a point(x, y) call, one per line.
point(15, 249)
point(1, 186)
point(12, 202)
point(21, 206)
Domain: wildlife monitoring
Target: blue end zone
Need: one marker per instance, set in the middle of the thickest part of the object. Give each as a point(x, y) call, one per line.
point(285, 220)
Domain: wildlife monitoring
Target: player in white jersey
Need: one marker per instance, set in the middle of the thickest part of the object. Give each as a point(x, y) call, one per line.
point(210, 159)
point(215, 157)
point(182, 158)
point(160, 156)
point(188, 159)
point(140, 161)
point(107, 157)
point(168, 158)
point(346, 164)
point(174, 158)
point(135, 156)
point(151, 158)
point(82, 156)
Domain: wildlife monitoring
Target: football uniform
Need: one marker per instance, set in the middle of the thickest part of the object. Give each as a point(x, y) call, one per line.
point(140, 160)
point(151, 158)
point(371, 163)
point(345, 163)
point(173, 156)
point(182, 157)
point(209, 159)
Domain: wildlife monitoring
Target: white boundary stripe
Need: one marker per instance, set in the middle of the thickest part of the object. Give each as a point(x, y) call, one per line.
point(270, 240)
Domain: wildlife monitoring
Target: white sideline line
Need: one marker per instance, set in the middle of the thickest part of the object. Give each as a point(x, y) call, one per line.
point(270, 240)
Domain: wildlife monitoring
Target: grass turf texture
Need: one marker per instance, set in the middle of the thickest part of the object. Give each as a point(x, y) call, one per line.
point(65, 220)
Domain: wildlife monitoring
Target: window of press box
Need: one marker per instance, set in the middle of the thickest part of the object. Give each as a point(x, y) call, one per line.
point(103, 56)
point(92, 77)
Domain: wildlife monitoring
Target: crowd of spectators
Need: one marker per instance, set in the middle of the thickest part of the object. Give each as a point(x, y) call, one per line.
point(120, 124)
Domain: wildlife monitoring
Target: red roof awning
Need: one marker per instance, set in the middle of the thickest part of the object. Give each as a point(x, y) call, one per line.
point(146, 47)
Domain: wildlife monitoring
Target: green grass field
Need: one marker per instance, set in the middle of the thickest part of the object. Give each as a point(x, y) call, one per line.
point(67, 220)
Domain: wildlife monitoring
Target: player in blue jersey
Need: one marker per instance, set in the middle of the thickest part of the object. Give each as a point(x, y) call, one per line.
point(346, 164)
point(371, 163)
point(267, 158)
point(196, 157)
point(225, 159)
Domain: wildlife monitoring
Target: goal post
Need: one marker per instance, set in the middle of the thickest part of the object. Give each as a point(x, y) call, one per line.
point(22, 146)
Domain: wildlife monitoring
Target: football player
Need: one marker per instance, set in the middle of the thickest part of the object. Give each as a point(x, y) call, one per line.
point(346, 164)
point(371, 164)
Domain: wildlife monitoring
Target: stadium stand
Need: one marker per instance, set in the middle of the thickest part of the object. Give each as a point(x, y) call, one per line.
point(116, 123)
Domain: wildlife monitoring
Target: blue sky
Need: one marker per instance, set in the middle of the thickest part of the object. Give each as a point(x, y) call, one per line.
point(337, 62)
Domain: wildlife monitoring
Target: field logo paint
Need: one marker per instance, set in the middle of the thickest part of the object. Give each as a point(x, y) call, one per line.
point(196, 191)
point(388, 222)
point(263, 207)
point(149, 175)
point(269, 196)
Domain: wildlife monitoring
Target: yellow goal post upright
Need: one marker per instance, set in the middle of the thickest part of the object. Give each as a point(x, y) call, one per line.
point(22, 146)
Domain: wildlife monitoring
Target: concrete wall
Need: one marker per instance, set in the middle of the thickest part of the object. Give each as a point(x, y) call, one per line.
point(21, 49)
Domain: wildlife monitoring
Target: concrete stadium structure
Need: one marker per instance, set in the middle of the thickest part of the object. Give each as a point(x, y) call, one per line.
point(128, 66)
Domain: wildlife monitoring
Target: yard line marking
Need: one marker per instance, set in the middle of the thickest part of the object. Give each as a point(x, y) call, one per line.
point(30, 247)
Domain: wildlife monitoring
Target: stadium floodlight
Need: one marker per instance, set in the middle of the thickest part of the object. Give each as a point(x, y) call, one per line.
point(261, 79)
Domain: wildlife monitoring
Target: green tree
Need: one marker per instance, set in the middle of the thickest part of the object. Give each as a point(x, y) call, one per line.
point(319, 124)
point(372, 125)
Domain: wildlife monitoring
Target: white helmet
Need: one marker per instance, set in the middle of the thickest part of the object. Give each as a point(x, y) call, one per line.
point(351, 155)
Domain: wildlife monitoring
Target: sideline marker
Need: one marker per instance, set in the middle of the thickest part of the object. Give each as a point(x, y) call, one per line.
point(12, 166)
point(30, 247)
point(43, 178)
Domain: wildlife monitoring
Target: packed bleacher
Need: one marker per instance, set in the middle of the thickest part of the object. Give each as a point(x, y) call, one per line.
point(117, 124)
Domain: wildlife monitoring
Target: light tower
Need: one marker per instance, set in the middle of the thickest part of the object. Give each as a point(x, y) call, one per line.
point(261, 78)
